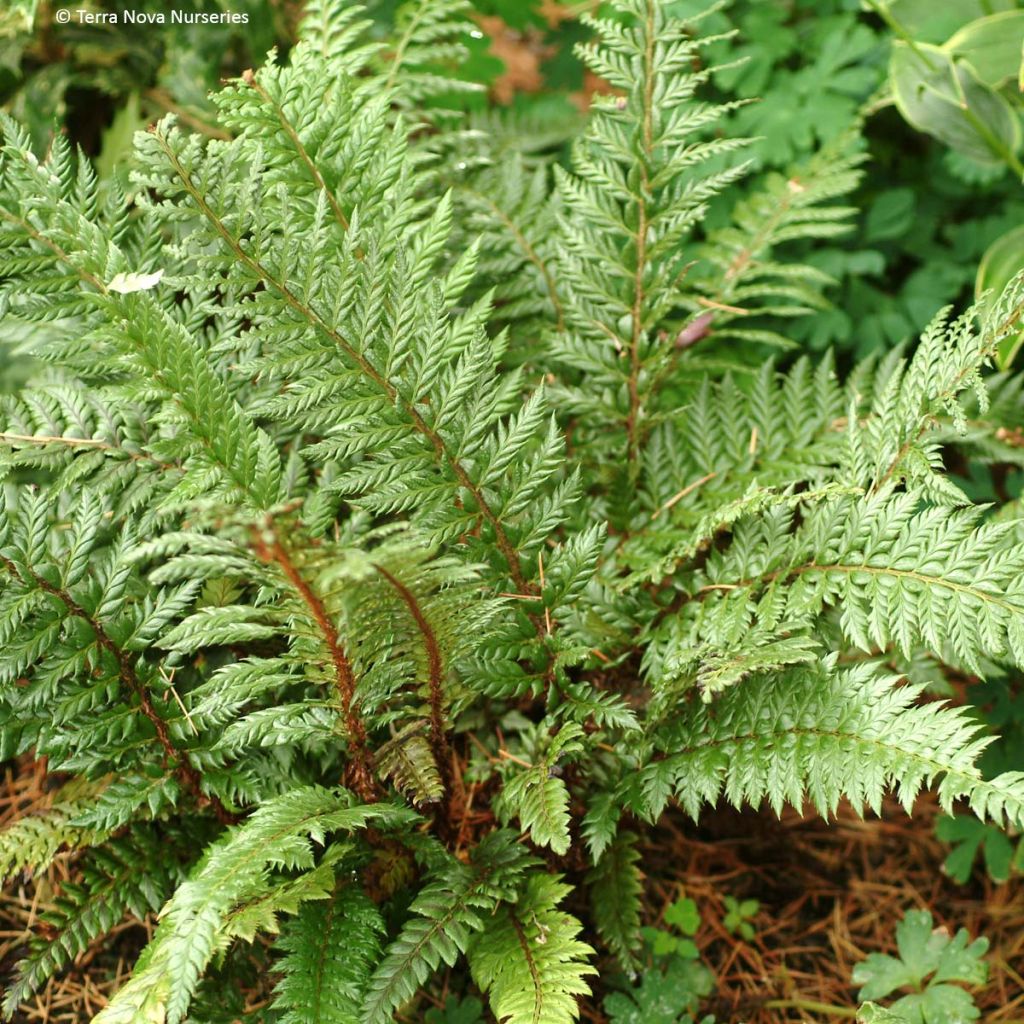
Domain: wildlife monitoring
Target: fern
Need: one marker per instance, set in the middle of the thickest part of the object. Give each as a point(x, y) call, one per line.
point(824, 734)
point(386, 488)
point(528, 959)
point(330, 948)
point(111, 886)
point(539, 797)
point(446, 913)
point(616, 883)
point(34, 841)
point(234, 872)
point(643, 175)
point(745, 285)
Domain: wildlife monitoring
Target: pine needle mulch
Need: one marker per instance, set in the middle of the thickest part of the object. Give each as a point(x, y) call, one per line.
point(82, 991)
point(829, 895)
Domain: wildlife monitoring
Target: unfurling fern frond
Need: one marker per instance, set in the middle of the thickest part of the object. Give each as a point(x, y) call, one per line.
point(407, 760)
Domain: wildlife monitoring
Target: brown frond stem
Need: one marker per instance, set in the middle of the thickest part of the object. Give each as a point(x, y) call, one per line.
point(351, 351)
point(128, 674)
point(524, 945)
point(439, 744)
point(454, 801)
point(269, 548)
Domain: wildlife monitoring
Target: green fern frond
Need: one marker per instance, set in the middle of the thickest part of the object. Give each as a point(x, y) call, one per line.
point(539, 797)
point(233, 871)
point(616, 889)
point(446, 914)
point(31, 843)
point(131, 875)
point(528, 960)
point(821, 735)
point(644, 172)
point(739, 278)
point(330, 948)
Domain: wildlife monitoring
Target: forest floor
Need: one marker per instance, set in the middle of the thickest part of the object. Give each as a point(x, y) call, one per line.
point(829, 895)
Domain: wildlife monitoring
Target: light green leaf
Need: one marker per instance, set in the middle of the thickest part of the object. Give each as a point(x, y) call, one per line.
point(946, 99)
point(993, 47)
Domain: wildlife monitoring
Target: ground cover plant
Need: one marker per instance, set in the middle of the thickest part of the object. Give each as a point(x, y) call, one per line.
point(396, 526)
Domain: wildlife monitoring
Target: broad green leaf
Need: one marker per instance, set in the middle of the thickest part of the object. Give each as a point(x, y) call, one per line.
point(992, 45)
point(946, 99)
point(683, 914)
point(934, 21)
point(928, 958)
point(938, 1004)
point(891, 214)
point(872, 1013)
point(667, 997)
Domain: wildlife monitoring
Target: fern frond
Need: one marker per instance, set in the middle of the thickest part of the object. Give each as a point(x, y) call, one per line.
point(539, 797)
point(616, 889)
point(31, 843)
point(528, 960)
point(821, 735)
point(427, 49)
point(447, 912)
point(132, 874)
point(644, 172)
point(408, 761)
point(234, 870)
point(739, 279)
point(331, 947)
